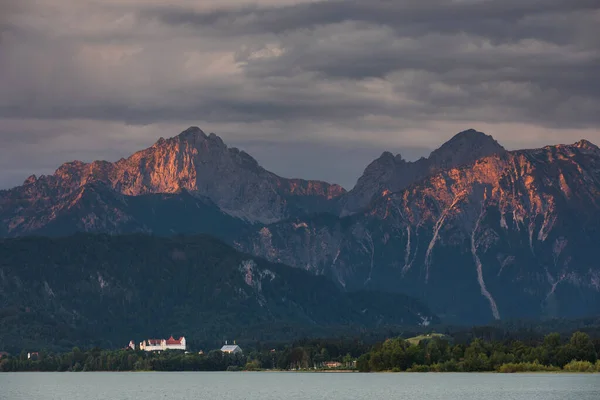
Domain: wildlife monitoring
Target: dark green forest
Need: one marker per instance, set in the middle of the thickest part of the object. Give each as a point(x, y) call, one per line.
point(102, 291)
point(435, 353)
point(579, 354)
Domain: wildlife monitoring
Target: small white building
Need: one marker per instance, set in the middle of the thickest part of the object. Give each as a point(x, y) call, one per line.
point(164, 344)
point(231, 349)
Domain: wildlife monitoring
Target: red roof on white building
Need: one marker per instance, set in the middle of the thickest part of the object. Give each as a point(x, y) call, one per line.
point(171, 340)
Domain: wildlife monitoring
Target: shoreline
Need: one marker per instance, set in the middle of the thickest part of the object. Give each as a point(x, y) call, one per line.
point(318, 372)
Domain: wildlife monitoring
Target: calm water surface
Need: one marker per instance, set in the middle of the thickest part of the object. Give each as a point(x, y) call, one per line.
point(296, 386)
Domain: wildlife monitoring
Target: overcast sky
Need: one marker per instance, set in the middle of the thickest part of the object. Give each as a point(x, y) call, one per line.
point(312, 89)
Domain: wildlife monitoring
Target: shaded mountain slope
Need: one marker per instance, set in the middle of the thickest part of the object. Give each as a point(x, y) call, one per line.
point(96, 208)
point(99, 289)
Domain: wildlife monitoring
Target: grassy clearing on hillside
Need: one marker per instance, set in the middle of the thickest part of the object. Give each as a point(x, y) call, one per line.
point(418, 339)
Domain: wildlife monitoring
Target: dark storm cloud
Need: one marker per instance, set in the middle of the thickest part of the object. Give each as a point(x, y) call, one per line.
point(497, 19)
point(356, 40)
point(531, 61)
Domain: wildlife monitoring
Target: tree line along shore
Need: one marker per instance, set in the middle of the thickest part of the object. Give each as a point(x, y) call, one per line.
point(427, 353)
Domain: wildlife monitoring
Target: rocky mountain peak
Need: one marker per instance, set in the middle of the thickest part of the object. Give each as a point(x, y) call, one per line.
point(381, 165)
point(70, 171)
point(386, 159)
point(391, 173)
point(32, 179)
point(465, 147)
point(581, 147)
point(195, 138)
point(192, 135)
point(586, 145)
point(192, 131)
point(471, 135)
point(471, 138)
point(386, 155)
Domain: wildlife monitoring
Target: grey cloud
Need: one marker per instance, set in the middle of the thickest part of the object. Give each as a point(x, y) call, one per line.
point(214, 104)
point(379, 67)
point(432, 36)
point(8, 9)
point(413, 17)
point(344, 43)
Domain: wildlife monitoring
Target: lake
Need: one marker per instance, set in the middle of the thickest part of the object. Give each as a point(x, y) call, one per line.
point(296, 386)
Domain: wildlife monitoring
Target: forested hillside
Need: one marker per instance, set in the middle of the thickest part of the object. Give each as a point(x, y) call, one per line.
point(105, 290)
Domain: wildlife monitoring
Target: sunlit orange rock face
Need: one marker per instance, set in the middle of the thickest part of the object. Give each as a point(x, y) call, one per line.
point(521, 183)
point(512, 234)
point(193, 161)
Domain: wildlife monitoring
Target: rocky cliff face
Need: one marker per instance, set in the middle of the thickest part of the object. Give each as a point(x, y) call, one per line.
point(391, 173)
point(510, 235)
point(200, 165)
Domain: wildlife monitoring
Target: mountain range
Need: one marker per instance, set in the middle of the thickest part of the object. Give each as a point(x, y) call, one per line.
point(475, 231)
point(95, 196)
point(511, 235)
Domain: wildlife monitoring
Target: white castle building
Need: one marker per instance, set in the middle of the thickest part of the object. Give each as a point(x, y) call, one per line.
point(163, 344)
